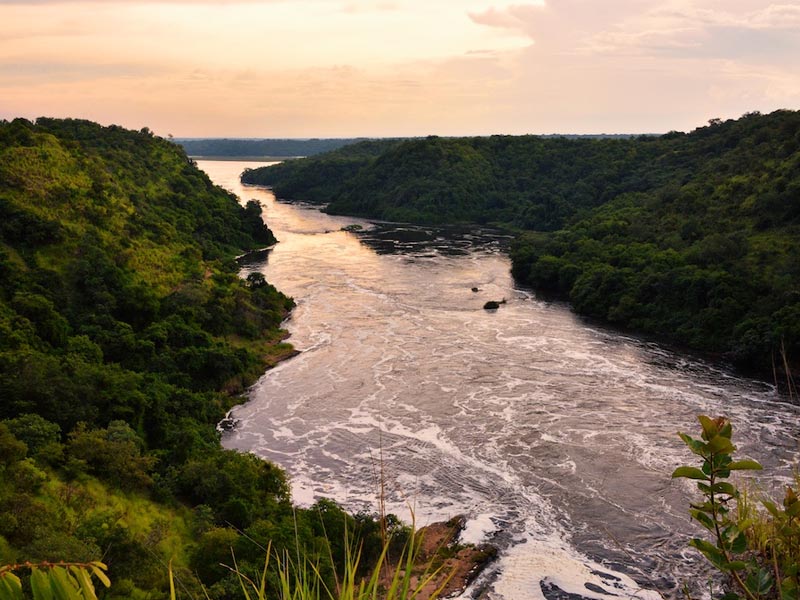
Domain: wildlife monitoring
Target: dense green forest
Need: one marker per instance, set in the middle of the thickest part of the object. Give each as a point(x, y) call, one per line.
point(692, 237)
point(125, 335)
point(233, 148)
point(319, 180)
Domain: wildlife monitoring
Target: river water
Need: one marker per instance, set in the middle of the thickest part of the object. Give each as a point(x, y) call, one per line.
point(555, 437)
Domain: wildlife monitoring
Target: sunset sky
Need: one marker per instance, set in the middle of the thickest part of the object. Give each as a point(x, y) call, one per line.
point(302, 68)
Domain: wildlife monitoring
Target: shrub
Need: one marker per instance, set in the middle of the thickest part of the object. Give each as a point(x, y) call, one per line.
point(759, 552)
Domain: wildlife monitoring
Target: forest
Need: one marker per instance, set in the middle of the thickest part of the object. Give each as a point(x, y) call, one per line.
point(125, 336)
point(690, 237)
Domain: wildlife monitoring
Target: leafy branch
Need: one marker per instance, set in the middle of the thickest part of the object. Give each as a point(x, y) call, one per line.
point(735, 548)
point(62, 580)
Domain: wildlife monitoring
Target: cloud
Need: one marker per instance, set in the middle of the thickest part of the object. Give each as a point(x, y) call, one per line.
point(512, 17)
point(557, 25)
point(766, 35)
point(17, 71)
point(366, 7)
point(742, 30)
point(777, 16)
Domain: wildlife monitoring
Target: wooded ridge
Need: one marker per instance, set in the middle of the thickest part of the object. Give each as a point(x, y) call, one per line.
point(125, 336)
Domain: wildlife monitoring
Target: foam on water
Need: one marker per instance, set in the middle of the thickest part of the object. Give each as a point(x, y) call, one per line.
point(535, 564)
point(477, 529)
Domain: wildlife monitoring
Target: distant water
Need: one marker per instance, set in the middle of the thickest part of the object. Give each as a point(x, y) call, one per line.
point(554, 437)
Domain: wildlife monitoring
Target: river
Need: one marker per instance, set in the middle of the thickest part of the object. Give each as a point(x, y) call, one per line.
point(555, 437)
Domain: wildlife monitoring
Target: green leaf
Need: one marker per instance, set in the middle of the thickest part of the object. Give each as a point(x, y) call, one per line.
point(10, 587)
point(710, 551)
point(723, 487)
point(721, 444)
point(40, 584)
point(770, 506)
point(722, 461)
point(706, 507)
point(689, 473)
point(703, 519)
point(742, 465)
point(760, 582)
point(789, 589)
point(736, 565)
point(739, 544)
point(85, 581)
point(96, 569)
point(709, 426)
point(695, 446)
point(63, 584)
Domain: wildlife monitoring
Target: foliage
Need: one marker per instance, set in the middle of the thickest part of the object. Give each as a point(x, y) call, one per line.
point(319, 180)
point(281, 577)
point(709, 259)
point(527, 181)
point(47, 581)
point(759, 553)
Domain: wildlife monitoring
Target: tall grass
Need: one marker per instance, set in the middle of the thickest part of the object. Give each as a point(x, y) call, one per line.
point(301, 578)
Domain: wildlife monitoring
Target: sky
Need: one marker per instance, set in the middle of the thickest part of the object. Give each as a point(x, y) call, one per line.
point(343, 68)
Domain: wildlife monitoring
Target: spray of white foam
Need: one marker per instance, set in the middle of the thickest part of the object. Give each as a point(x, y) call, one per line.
point(527, 566)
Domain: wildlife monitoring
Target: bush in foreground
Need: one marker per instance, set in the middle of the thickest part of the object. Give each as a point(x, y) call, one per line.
point(758, 551)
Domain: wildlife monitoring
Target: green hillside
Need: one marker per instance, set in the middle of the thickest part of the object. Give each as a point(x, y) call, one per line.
point(125, 335)
point(691, 237)
point(710, 258)
point(319, 180)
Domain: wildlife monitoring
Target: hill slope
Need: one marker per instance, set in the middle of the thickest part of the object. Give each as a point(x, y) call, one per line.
point(125, 333)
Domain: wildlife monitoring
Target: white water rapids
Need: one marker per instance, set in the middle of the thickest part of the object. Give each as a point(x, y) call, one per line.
point(556, 438)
